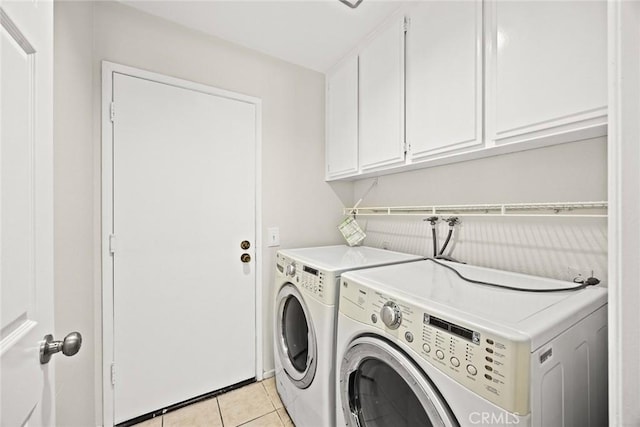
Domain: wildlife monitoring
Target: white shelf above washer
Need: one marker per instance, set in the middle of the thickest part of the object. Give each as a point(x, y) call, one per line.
point(559, 209)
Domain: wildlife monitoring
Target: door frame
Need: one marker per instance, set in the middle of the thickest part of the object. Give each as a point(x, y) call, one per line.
point(624, 208)
point(108, 69)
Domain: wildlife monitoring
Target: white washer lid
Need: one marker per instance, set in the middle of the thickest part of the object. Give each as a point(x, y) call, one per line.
point(430, 285)
point(341, 258)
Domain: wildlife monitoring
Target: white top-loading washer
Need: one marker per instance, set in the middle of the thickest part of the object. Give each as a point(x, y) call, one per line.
point(486, 355)
point(306, 283)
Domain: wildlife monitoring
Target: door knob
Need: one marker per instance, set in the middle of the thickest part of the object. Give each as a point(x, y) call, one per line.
point(245, 244)
point(245, 258)
point(69, 346)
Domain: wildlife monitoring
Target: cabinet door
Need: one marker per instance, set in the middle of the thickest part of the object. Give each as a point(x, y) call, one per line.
point(381, 85)
point(444, 77)
point(342, 120)
point(547, 68)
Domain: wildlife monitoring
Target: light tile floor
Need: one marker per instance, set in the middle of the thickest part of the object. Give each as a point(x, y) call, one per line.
point(254, 405)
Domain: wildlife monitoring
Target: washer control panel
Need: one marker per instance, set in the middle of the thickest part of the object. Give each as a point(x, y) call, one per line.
point(318, 283)
point(495, 367)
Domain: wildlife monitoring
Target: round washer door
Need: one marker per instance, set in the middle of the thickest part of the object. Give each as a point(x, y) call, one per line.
point(381, 386)
point(296, 343)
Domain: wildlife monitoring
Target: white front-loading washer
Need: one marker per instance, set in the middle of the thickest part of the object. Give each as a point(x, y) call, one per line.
point(418, 345)
point(306, 283)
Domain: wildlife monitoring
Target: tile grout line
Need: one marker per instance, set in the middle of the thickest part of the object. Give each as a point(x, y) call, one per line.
point(263, 382)
point(257, 418)
point(264, 388)
point(284, 421)
point(268, 395)
point(219, 411)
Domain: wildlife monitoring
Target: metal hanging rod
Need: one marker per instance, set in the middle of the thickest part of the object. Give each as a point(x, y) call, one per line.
point(563, 209)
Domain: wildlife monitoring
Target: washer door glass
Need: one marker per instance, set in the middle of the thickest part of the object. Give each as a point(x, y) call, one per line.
point(296, 338)
point(383, 387)
point(381, 397)
point(295, 332)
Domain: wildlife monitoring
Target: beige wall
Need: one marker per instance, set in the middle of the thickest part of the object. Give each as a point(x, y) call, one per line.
point(566, 172)
point(294, 195)
point(542, 246)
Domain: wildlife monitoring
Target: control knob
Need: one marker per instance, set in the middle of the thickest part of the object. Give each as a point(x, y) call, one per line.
point(291, 270)
point(391, 315)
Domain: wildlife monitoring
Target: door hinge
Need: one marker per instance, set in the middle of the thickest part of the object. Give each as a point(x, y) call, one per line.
point(113, 374)
point(112, 111)
point(112, 244)
point(406, 24)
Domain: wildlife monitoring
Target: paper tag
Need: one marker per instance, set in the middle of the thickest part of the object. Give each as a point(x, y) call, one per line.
point(351, 231)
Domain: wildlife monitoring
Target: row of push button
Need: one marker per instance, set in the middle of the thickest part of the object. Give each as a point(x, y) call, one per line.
point(311, 288)
point(489, 359)
point(454, 360)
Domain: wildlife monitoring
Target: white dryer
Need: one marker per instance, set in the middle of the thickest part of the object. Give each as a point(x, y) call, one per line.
point(419, 346)
point(306, 283)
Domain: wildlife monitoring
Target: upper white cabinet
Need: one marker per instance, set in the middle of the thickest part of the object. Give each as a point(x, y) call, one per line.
point(342, 119)
point(444, 77)
point(546, 68)
point(381, 83)
point(480, 78)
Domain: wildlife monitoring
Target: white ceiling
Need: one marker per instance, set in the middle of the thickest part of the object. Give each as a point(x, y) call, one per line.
point(311, 33)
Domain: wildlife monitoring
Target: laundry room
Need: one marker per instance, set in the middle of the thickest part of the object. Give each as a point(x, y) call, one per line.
point(320, 213)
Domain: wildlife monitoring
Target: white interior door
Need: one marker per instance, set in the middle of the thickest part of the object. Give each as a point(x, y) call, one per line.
point(26, 206)
point(183, 201)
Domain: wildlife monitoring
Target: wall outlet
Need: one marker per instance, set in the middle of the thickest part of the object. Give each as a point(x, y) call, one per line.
point(273, 236)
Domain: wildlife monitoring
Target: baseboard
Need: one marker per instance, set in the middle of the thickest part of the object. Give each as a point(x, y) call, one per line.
point(268, 374)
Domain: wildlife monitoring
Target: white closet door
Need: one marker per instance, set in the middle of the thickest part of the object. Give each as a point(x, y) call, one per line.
point(382, 98)
point(183, 201)
point(547, 67)
point(444, 77)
